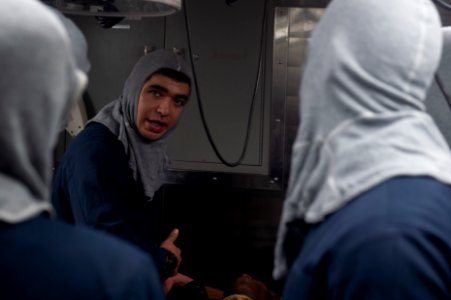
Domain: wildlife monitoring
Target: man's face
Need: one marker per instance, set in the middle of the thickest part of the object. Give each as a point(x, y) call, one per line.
point(160, 106)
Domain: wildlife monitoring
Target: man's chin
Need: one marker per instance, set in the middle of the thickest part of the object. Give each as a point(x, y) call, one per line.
point(152, 136)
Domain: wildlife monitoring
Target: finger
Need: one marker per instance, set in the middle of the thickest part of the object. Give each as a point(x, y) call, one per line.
point(173, 235)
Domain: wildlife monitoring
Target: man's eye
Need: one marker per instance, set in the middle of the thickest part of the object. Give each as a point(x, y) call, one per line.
point(180, 102)
point(156, 93)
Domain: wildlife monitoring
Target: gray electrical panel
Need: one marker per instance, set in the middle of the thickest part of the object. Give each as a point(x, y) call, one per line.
point(230, 50)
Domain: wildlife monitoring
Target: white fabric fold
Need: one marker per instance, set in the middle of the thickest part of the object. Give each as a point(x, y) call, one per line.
point(39, 83)
point(362, 114)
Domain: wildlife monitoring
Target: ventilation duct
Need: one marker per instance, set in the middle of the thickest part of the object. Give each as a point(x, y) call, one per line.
point(117, 8)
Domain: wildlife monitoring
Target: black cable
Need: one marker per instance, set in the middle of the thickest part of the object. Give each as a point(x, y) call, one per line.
point(443, 4)
point(442, 89)
point(164, 31)
point(201, 110)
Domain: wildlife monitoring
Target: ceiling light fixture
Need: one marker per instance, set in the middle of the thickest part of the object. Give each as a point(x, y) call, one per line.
point(117, 8)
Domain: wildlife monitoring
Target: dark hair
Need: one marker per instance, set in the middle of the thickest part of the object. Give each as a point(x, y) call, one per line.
point(173, 74)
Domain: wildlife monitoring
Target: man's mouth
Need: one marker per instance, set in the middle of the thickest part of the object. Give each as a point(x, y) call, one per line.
point(155, 126)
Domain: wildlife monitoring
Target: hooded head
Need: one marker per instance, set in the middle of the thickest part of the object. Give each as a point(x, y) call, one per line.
point(39, 83)
point(369, 67)
point(144, 68)
point(368, 58)
point(79, 45)
point(124, 118)
point(161, 97)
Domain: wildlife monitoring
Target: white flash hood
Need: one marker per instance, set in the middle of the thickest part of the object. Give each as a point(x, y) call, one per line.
point(38, 85)
point(362, 114)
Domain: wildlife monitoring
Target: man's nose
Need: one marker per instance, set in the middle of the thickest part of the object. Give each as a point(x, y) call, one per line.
point(164, 107)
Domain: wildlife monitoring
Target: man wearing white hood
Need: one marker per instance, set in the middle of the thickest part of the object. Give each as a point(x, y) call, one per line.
point(368, 207)
point(41, 258)
point(111, 170)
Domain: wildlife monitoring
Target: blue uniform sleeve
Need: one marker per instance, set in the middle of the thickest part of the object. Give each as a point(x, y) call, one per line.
point(392, 264)
point(392, 242)
point(47, 259)
point(143, 283)
point(96, 185)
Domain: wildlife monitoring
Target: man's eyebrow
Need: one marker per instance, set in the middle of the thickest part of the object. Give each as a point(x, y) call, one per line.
point(158, 87)
point(165, 90)
point(182, 97)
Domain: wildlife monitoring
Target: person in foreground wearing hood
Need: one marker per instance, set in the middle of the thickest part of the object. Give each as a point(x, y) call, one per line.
point(111, 170)
point(438, 101)
point(368, 207)
point(41, 258)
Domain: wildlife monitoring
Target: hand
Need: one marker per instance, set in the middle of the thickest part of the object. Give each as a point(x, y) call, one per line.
point(169, 245)
point(177, 279)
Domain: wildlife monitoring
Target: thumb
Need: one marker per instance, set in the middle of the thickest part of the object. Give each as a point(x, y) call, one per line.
point(173, 235)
